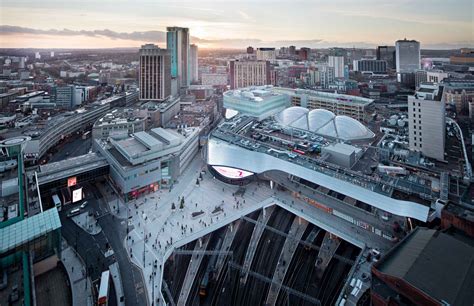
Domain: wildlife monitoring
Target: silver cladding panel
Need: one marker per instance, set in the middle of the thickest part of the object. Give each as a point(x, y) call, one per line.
point(221, 153)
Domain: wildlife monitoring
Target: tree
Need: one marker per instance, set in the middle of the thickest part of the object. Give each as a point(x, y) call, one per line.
point(173, 207)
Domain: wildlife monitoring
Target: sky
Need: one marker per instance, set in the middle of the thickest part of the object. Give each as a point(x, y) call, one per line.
point(437, 24)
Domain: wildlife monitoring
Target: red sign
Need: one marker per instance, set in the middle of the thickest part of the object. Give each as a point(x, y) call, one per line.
point(71, 181)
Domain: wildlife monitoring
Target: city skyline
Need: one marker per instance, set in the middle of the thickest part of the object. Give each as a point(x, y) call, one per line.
point(222, 24)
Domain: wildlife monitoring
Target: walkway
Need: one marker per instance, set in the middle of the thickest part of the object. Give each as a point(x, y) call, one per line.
point(80, 285)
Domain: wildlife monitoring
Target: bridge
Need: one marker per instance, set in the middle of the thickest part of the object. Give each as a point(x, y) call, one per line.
point(84, 168)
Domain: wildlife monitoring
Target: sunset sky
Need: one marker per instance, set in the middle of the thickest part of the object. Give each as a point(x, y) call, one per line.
point(231, 24)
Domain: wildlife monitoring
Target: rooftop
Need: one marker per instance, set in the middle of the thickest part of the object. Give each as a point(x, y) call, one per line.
point(28, 229)
point(422, 260)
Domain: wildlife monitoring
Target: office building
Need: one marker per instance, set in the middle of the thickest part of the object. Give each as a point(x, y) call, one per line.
point(63, 96)
point(337, 62)
point(459, 92)
point(214, 79)
point(408, 58)
point(248, 73)
point(370, 65)
point(266, 54)
point(177, 42)
point(388, 54)
point(193, 63)
point(436, 76)
point(154, 73)
point(292, 50)
point(420, 77)
point(426, 121)
point(303, 53)
point(118, 124)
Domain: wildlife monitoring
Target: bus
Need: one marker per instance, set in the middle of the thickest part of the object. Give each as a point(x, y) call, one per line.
point(298, 151)
point(56, 201)
point(104, 288)
point(86, 134)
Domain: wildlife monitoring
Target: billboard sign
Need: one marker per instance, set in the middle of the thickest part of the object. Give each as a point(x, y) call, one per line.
point(232, 173)
point(77, 195)
point(72, 181)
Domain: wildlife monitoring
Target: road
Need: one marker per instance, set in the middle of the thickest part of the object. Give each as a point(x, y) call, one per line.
point(115, 230)
point(75, 146)
point(92, 248)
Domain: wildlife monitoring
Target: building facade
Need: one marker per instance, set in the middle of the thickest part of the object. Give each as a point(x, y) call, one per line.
point(427, 121)
point(387, 53)
point(266, 54)
point(408, 57)
point(337, 62)
point(375, 66)
point(154, 73)
point(193, 63)
point(177, 42)
point(352, 106)
point(249, 73)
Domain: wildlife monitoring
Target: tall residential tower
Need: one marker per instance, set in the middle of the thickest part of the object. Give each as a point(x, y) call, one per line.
point(177, 42)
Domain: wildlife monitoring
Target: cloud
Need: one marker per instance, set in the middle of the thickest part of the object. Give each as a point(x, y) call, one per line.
point(158, 36)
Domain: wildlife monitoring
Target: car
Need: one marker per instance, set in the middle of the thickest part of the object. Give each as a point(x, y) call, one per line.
point(83, 205)
point(73, 212)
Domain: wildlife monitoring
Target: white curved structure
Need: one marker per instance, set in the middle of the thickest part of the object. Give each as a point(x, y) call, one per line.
point(324, 123)
point(221, 153)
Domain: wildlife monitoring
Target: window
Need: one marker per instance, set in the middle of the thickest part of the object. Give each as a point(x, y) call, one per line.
point(419, 116)
point(419, 121)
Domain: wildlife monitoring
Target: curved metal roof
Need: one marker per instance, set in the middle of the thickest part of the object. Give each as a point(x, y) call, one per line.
point(324, 122)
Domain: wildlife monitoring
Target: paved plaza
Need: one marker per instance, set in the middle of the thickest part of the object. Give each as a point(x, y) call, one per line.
point(157, 229)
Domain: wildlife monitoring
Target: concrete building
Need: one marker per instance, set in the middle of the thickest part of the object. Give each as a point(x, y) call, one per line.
point(408, 57)
point(154, 73)
point(118, 124)
point(352, 106)
point(259, 102)
point(436, 76)
point(337, 62)
point(148, 161)
point(266, 54)
point(214, 79)
point(370, 65)
point(158, 114)
point(387, 53)
point(249, 73)
point(193, 63)
point(427, 122)
point(63, 96)
point(177, 42)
